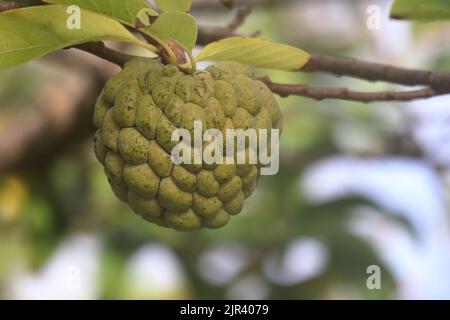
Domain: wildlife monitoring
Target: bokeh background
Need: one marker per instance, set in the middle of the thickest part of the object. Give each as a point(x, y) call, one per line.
point(359, 185)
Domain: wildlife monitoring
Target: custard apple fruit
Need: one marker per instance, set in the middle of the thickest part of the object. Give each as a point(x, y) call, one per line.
point(136, 114)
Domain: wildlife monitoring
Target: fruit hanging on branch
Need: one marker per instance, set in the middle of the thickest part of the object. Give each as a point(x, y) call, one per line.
point(153, 97)
point(136, 115)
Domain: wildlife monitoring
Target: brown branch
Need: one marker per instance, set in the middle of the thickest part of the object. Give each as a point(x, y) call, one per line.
point(315, 93)
point(228, 3)
point(5, 6)
point(100, 50)
point(208, 34)
point(209, 5)
point(240, 17)
point(439, 81)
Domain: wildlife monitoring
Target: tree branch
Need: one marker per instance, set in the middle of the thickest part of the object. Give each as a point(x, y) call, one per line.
point(241, 15)
point(5, 6)
point(100, 50)
point(439, 81)
point(436, 83)
point(208, 34)
point(209, 5)
point(285, 90)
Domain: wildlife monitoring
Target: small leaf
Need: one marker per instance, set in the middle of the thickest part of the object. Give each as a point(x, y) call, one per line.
point(429, 10)
point(178, 26)
point(33, 32)
point(256, 52)
point(174, 5)
point(126, 11)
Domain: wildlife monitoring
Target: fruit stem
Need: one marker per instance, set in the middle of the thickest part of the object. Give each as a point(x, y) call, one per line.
point(191, 66)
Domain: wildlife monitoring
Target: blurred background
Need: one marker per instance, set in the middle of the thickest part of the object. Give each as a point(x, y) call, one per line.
point(359, 184)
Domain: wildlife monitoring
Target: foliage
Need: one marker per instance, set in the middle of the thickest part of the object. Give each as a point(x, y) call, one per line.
point(184, 31)
point(174, 5)
point(256, 52)
point(173, 24)
point(430, 10)
point(31, 33)
point(123, 11)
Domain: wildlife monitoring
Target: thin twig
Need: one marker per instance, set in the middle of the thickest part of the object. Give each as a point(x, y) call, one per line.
point(100, 50)
point(228, 3)
point(439, 81)
point(240, 17)
point(315, 93)
point(209, 5)
point(208, 34)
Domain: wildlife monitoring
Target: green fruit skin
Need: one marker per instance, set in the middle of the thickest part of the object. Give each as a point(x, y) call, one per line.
point(136, 114)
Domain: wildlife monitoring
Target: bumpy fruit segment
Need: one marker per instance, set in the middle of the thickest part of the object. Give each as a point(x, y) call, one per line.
point(136, 114)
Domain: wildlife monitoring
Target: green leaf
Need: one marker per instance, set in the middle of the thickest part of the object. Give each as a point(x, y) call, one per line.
point(256, 52)
point(33, 32)
point(126, 11)
point(429, 10)
point(178, 26)
point(174, 5)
